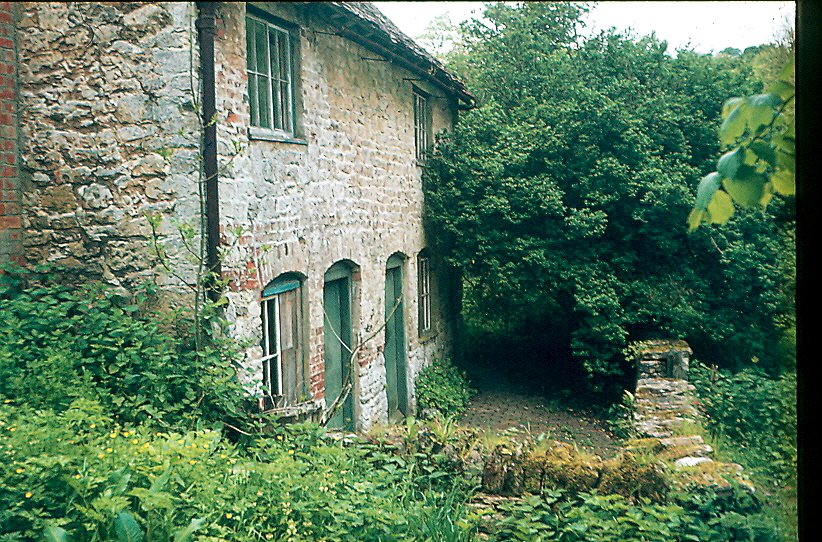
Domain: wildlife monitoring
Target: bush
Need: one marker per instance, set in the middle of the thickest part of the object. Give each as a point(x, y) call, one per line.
point(754, 411)
point(63, 342)
point(80, 474)
point(442, 388)
point(612, 518)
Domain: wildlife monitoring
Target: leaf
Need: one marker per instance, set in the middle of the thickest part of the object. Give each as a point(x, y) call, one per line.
point(747, 188)
point(763, 151)
point(127, 528)
point(784, 182)
point(695, 218)
point(729, 163)
point(783, 89)
point(159, 483)
point(785, 161)
point(767, 195)
point(721, 207)
point(734, 125)
point(53, 533)
point(730, 104)
point(707, 186)
point(185, 533)
point(762, 109)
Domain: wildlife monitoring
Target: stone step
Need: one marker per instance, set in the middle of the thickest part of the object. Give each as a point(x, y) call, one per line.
point(692, 461)
point(672, 442)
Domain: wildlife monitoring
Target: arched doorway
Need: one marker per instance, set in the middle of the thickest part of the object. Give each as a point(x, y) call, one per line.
point(396, 360)
point(338, 343)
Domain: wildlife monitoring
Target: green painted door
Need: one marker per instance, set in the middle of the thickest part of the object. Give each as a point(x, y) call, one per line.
point(337, 339)
point(395, 360)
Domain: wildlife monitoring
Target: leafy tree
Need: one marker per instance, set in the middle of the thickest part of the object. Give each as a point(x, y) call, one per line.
point(558, 198)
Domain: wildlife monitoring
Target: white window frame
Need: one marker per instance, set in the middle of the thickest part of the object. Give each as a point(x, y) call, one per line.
point(268, 355)
point(280, 87)
point(424, 293)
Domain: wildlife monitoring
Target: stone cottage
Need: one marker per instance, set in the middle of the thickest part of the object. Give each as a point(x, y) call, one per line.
point(287, 138)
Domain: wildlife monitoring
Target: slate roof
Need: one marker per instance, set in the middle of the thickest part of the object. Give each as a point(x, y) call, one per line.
point(365, 24)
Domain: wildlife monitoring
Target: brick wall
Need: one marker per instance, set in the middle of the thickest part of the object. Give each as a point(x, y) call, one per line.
point(10, 211)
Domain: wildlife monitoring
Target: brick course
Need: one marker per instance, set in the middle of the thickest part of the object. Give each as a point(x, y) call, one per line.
point(11, 247)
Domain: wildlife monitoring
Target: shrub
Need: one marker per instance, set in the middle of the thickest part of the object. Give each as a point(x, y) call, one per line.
point(754, 411)
point(62, 342)
point(79, 474)
point(442, 388)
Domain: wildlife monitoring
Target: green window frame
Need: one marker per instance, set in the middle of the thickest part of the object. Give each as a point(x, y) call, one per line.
point(270, 60)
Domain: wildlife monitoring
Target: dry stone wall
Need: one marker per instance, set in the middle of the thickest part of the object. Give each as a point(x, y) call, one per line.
point(108, 132)
point(349, 190)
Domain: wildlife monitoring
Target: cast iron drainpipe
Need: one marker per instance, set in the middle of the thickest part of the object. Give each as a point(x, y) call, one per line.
point(206, 32)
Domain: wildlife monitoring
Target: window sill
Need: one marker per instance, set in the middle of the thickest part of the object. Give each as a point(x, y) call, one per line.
point(263, 134)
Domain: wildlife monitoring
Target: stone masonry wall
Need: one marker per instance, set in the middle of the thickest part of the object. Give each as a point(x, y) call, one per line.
point(350, 191)
point(11, 244)
point(108, 132)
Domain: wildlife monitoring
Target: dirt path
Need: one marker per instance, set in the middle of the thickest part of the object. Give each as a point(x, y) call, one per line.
point(499, 407)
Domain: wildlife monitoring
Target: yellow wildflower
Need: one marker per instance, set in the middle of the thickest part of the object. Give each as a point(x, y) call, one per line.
point(109, 450)
point(191, 461)
point(28, 494)
point(229, 515)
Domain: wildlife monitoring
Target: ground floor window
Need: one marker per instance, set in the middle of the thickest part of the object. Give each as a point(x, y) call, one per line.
point(424, 293)
point(282, 315)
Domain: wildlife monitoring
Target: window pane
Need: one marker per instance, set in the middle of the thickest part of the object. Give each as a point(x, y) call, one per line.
point(264, 101)
point(274, 43)
point(262, 48)
point(253, 99)
point(272, 328)
point(251, 53)
point(285, 82)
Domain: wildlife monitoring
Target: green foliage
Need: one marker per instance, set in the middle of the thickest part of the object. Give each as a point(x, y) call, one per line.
point(754, 416)
point(754, 411)
point(613, 518)
point(79, 475)
point(560, 198)
point(442, 388)
point(60, 342)
point(761, 131)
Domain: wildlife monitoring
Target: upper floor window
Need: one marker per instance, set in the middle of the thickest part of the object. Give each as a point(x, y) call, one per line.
point(270, 59)
point(422, 122)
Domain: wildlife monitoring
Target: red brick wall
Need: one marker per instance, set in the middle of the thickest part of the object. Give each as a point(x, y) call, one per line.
point(11, 246)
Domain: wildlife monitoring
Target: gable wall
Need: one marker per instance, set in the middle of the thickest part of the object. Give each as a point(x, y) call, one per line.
point(106, 93)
